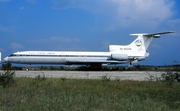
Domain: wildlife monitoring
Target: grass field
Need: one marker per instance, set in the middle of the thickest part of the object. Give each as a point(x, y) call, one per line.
point(50, 94)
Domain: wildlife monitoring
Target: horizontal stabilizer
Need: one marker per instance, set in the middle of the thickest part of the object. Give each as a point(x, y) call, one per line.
point(152, 34)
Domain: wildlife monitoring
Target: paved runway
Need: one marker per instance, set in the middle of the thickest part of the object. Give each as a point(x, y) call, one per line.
point(114, 75)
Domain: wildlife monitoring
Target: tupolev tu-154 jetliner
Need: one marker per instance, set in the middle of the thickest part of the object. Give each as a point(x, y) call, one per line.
point(118, 54)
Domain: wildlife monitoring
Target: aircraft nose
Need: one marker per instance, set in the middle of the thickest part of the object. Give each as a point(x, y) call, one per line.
point(6, 59)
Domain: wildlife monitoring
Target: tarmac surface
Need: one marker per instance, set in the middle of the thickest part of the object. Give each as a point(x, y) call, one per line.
point(113, 75)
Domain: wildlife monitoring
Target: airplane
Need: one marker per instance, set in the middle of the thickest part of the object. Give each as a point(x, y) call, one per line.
point(117, 54)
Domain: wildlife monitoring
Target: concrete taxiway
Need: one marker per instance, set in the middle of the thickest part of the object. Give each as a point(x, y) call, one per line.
point(113, 75)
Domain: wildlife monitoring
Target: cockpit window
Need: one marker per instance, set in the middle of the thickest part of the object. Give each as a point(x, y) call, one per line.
point(12, 55)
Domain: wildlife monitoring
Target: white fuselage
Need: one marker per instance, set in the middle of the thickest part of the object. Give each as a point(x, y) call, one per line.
point(66, 57)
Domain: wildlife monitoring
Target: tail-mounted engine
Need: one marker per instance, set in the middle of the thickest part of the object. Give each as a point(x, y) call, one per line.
point(119, 56)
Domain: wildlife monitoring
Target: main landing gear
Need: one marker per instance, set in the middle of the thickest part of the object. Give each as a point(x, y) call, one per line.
point(94, 67)
point(27, 67)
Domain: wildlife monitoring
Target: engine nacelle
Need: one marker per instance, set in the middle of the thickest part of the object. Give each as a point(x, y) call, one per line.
point(119, 56)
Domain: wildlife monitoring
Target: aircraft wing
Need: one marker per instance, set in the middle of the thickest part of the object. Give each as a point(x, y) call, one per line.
point(91, 61)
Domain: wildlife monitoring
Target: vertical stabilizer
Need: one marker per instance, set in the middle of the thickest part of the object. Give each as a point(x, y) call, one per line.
point(141, 43)
point(143, 40)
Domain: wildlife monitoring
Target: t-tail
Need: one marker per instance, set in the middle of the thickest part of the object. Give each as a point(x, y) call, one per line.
point(137, 49)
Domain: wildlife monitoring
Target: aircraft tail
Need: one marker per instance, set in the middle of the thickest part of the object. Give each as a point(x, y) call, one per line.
point(140, 44)
point(143, 40)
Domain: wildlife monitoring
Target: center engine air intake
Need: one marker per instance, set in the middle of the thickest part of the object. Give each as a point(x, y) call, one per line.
point(119, 56)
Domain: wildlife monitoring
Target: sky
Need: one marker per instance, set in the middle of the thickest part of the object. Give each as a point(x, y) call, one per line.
point(90, 25)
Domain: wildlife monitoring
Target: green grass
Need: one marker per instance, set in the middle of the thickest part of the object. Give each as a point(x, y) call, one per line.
point(29, 94)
